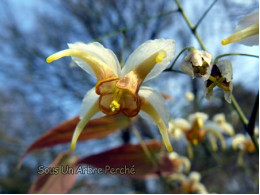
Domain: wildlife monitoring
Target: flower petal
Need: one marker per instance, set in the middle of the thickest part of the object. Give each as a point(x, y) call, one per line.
point(198, 115)
point(197, 63)
point(249, 35)
point(88, 101)
point(93, 58)
point(238, 141)
point(181, 124)
point(153, 105)
point(145, 51)
point(225, 67)
point(247, 31)
point(100, 52)
point(93, 109)
point(248, 20)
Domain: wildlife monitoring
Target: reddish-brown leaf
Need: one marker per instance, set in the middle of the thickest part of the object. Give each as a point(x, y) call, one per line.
point(54, 179)
point(127, 156)
point(96, 128)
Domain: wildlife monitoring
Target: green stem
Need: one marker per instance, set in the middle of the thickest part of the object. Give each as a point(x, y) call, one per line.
point(175, 60)
point(190, 25)
point(205, 13)
point(244, 120)
point(239, 111)
point(234, 54)
point(144, 147)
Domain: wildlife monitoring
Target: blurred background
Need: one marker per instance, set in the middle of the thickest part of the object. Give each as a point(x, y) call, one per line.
point(36, 96)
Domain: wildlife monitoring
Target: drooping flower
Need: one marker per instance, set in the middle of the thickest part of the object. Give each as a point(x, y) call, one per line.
point(226, 127)
point(244, 144)
point(181, 163)
point(221, 75)
point(187, 184)
point(120, 91)
point(195, 130)
point(247, 31)
point(197, 63)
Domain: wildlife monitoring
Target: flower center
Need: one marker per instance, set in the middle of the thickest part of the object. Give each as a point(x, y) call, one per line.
point(201, 70)
point(218, 81)
point(115, 106)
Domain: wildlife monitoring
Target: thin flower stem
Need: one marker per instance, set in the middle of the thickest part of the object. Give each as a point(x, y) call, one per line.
point(144, 147)
point(244, 119)
point(175, 60)
point(190, 25)
point(234, 54)
point(239, 111)
point(205, 13)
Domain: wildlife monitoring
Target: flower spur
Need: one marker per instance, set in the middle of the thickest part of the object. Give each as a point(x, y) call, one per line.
point(119, 90)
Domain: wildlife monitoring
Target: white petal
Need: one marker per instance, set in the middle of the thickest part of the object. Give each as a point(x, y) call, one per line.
point(158, 102)
point(248, 20)
point(225, 67)
point(228, 94)
point(250, 41)
point(219, 118)
point(186, 67)
point(195, 176)
point(83, 122)
point(156, 109)
point(88, 101)
point(105, 55)
point(197, 115)
point(238, 141)
point(147, 49)
point(182, 124)
point(245, 22)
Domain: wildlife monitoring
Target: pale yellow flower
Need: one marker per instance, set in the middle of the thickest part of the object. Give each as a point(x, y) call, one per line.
point(195, 130)
point(247, 31)
point(197, 63)
point(119, 90)
point(226, 127)
point(188, 184)
point(182, 163)
point(244, 144)
point(221, 75)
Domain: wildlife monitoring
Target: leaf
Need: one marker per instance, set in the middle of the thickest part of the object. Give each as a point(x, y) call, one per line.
point(95, 129)
point(54, 179)
point(132, 156)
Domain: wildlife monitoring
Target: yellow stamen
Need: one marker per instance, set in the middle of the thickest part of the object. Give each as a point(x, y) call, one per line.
point(161, 55)
point(212, 85)
point(223, 87)
point(114, 106)
point(195, 141)
point(200, 122)
point(115, 103)
point(211, 78)
point(242, 34)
